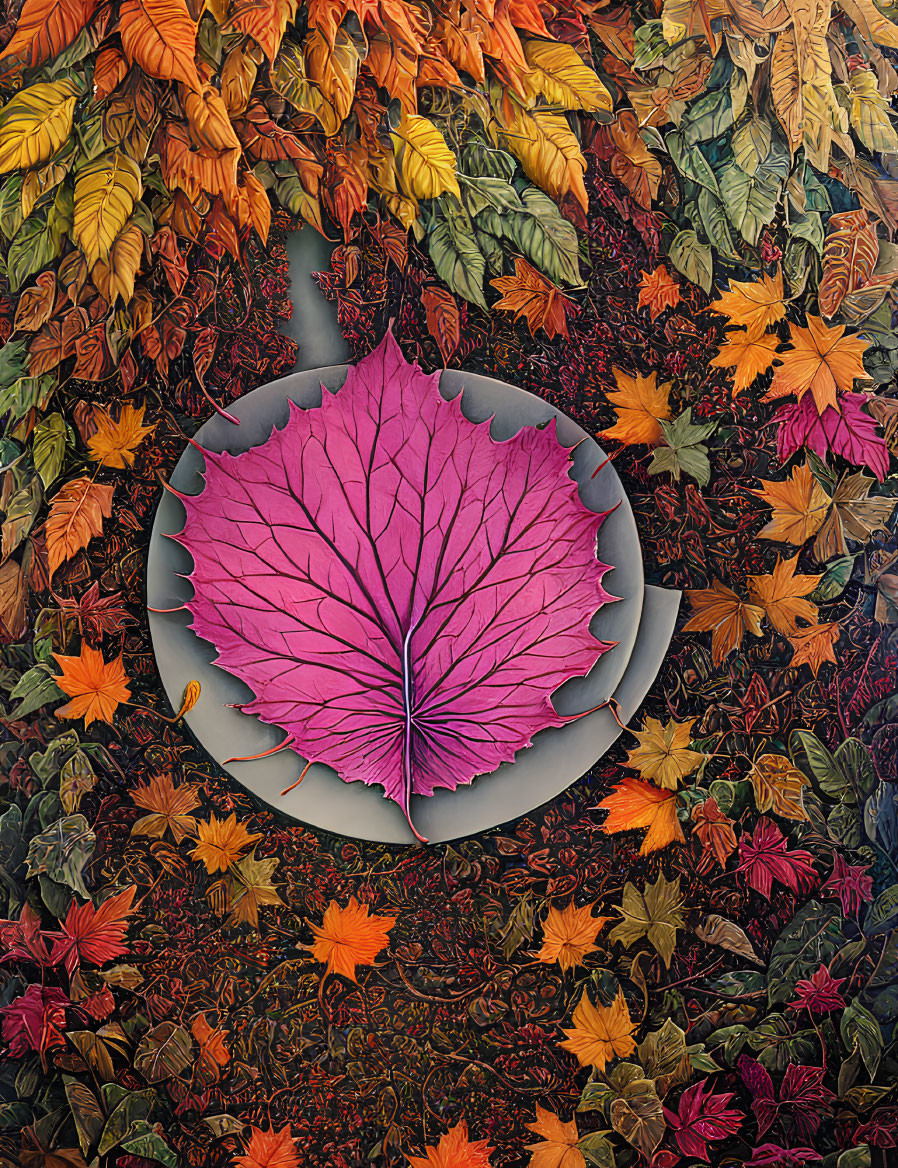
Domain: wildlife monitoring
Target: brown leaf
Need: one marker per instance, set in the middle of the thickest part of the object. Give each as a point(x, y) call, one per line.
point(717, 930)
point(782, 596)
point(443, 321)
point(529, 294)
point(13, 595)
point(778, 786)
point(720, 611)
point(853, 514)
point(849, 258)
point(36, 304)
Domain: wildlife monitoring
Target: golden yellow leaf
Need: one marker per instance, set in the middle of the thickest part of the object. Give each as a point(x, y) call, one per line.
point(869, 113)
point(785, 87)
point(115, 276)
point(799, 507)
point(76, 516)
point(814, 645)
point(115, 442)
point(641, 405)
point(220, 842)
point(600, 1033)
point(748, 354)
point(333, 70)
point(425, 163)
point(96, 687)
point(35, 123)
point(718, 610)
point(160, 37)
point(250, 887)
point(663, 755)
point(634, 804)
point(822, 361)
point(754, 304)
point(781, 594)
point(546, 148)
point(105, 193)
point(569, 934)
point(778, 786)
point(348, 937)
point(169, 808)
point(877, 28)
point(559, 74)
point(558, 1144)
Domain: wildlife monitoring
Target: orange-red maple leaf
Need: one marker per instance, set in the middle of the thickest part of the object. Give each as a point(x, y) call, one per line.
point(220, 842)
point(634, 804)
point(715, 830)
point(348, 937)
point(98, 933)
point(658, 290)
point(569, 934)
point(756, 304)
point(169, 808)
point(748, 355)
point(718, 610)
point(269, 1149)
point(529, 294)
point(96, 687)
point(641, 406)
point(455, 1150)
point(782, 596)
point(558, 1142)
point(600, 1033)
point(814, 645)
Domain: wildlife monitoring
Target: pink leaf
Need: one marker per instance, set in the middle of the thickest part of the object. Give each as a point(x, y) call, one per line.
point(401, 592)
point(765, 859)
point(701, 1118)
point(35, 1021)
point(850, 433)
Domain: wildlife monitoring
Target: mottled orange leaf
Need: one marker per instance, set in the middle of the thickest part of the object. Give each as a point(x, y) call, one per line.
point(455, 1150)
point(220, 842)
point(633, 804)
point(663, 755)
point(658, 290)
point(781, 594)
point(748, 355)
point(558, 1144)
point(36, 304)
point(799, 507)
point(715, 830)
point(600, 1033)
point(269, 1149)
point(641, 406)
point(263, 20)
point(169, 808)
point(814, 645)
point(754, 304)
point(529, 294)
point(718, 610)
point(443, 320)
point(822, 361)
point(115, 441)
point(96, 687)
point(44, 28)
point(348, 937)
point(569, 934)
point(160, 37)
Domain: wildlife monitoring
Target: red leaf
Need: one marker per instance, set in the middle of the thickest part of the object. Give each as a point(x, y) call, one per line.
point(701, 1118)
point(765, 859)
point(98, 932)
point(402, 593)
point(203, 352)
point(35, 1021)
point(443, 322)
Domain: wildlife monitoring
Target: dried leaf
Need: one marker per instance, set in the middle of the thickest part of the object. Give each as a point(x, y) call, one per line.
point(663, 755)
point(814, 645)
point(754, 304)
point(569, 934)
point(749, 354)
point(530, 295)
point(721, 612)
point(658, 291)
point(76, 516)
point(655, 913)
point(220, 842)
point(600, 1033)
point(778, 786)
point(822, 360)
point(115, 442)
point(782, 596)
point(558, 1142)
point(799, 507)
point(634, 804)
point(443, 320)
point(96, 687)
point(349, 937)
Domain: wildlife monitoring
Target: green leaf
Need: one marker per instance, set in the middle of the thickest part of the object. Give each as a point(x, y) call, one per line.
point(655, 913)
point(48, 447)
point(152, 1147)
point(164, 1052)
point(46, 764)
point(717, 228)
point(821, 764)
point(547, 239)
point(708, 116)
point(810, 227)
point(638, 1116)
point(650, 44)
point(882, 915)
point(751, 144)
point(124, 1108)
point(62, 851)
point(481, 160)
point(692, 259)
point(12, 361)
point(596, 1150)
point(810, 939)
point(479, 193)
point(34, 689)
point(664, 1057)
point(844, 825)
point(860, 1031)
point(21, 513)
point(690, 162)
point(11, 204)
point(751, 200)
point(858, 1157)
point(834, 580)
point(854, 760)
point(684, 452)
point(458, 260)
point(40, 238)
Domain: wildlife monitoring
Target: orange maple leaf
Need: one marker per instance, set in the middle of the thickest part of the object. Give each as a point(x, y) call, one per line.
point(634, 804)
point(115, 442)
point(641, 406)
point(96, 687)
point(569, 934)
point(529, 294)
point(814, 645)
point(220, 842)
point(455, 1150)
point(600, 1033)
point(822, 361)
point(348, 937)
point(658, 290)
point(715, 830)
point(269, 1149)
point(799, 507)
point(748, 354)
point(558, 1146)
point(781, 595)
point(169, 806)
point(727, 617)
point(97, 934)
point(211, 1042)
point(756, 304)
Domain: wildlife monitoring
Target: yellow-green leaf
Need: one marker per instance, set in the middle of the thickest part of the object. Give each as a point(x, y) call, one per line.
point(105, 193)
point(35, 123)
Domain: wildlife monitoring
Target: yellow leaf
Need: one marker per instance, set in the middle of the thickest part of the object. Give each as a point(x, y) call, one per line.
point(160, 37)
point(251, 887)
point(114, 443)
point(220, 842)
point(785, 87)
point(634, 804)
point(814, 645)
point(558, 1142)
point(663, 755)
point(569, 934)
point(425, 163)
point(547, 149)
point(96, 687)
point(748, 355)
point(641, 406)
point(105, 193)
point(600, 1033)
point(871, 22)
point(778, 786)
point(727, 617)
point(756, 304)
point(799, 507)
point(35, 123)
point(781, 594)
point(560, 75)
point(333, 69)
point(115, 276)
point(869, 113)
point(76, 516)
point(822, 360)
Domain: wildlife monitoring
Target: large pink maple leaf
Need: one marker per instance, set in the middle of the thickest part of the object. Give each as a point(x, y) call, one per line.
point(401, 592)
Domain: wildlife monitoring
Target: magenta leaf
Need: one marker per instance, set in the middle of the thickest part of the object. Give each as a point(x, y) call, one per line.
point(700, 1118)
point(848, 431)
point(401, 592)
point(765, 858)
